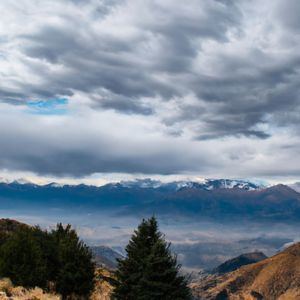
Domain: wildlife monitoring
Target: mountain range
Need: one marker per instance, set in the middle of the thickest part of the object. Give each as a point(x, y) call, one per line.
point(206, 184)
point(106, 257)
point(221, 199)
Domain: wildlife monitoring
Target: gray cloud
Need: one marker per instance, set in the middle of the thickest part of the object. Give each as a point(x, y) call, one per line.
point(166, 40)
point(125, 105)
point(209, 73)
point(82, 143)
point(156, 57)
point(288, 14)
point(76, 148)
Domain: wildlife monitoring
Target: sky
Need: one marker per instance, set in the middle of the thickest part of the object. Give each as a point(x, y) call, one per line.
point(103, 90)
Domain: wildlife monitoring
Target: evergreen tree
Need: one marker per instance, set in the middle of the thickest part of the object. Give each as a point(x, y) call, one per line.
point(32, 257)
point(75, 270)
point(149, 271)
point(22, 259)
point(49, 249)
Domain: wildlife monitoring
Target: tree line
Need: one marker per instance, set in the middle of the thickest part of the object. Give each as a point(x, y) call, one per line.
point(59, 261)
point(54, 260)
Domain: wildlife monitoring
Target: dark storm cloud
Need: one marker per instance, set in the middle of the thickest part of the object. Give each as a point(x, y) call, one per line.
point(126, 66)
point(236, 103)
point(125, 105)
point(91, 63)
point(88, 150)
point(156, 59)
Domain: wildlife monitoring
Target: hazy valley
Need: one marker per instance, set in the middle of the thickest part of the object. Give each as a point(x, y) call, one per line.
point(207, 222)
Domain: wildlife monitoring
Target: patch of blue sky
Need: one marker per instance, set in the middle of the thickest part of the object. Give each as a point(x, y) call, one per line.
point(55, 106)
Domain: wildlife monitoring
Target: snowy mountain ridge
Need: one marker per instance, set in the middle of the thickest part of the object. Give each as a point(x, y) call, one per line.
point(148, 183)
point(207, 184)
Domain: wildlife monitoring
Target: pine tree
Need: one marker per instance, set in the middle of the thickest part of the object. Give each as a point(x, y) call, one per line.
point(22, 259)
point(149, 271)
point(33, 257)
point(75, 269)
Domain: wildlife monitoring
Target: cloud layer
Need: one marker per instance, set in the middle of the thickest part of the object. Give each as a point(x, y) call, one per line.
point(211, 87)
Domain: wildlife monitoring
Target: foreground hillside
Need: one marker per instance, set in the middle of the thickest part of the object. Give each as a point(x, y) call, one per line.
point(275, 278)
point(59, 262)
point(22, 263)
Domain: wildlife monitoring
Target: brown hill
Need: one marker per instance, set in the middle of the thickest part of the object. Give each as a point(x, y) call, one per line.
point(9, 225)
point(239, 261)
point(275, 278)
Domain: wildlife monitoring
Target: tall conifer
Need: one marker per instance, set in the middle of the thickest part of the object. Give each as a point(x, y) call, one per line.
point(149, 271)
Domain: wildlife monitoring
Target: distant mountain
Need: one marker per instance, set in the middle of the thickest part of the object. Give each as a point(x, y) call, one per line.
point(148, 183)
point(237, 262)
point(106, 256)
point(207, 184)
point(220, 199)
point(277, 277)
point(279, 203)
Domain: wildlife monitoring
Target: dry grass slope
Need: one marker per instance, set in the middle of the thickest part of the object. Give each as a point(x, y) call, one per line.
point(8, 291)
point(103, 287)
point(275, 278)
point(102, 291)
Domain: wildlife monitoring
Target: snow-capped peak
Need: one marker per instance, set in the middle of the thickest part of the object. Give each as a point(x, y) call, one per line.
point(207, 184)
point(56, 185)
point(141, 183)
point(211, 184)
